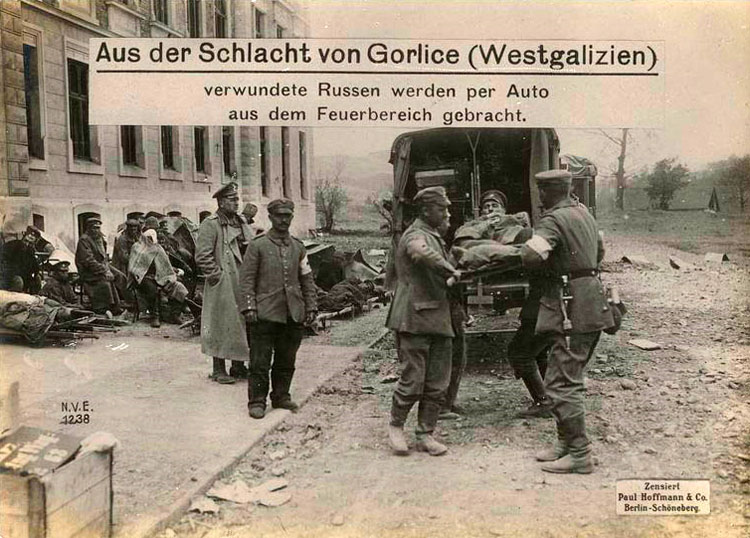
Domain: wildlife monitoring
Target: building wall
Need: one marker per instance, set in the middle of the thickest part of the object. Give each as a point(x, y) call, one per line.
point(61, 187)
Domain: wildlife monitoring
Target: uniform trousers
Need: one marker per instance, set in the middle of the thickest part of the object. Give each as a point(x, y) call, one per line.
point(274, 348)
point(458, 365)
point(425, 376)
point(564, 385)
point(527, 351)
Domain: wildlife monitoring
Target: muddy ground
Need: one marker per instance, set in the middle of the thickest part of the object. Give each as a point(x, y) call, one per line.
point(677, 412)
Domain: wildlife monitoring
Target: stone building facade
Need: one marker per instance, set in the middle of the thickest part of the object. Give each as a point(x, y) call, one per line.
point(56, 169)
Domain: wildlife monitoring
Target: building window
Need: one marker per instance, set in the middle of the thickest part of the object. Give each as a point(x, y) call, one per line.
point(33, 101)
point(279, 31)
point(167, 147)
point(38, 221)
point(263, 156)
point(302, 166)
point(129, 145)
point(285, 162)
point(194, 18)
point(260, 21)
point(78, 102)
point(199, 146)
point(161, 13)
point(227, 150)
point(220, 17)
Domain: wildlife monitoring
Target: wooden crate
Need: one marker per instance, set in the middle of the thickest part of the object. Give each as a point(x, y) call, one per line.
point(73, 501)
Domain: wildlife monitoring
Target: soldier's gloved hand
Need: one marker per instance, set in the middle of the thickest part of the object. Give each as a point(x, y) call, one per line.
point(310, 317)
point(213, 279)
point(251, 316)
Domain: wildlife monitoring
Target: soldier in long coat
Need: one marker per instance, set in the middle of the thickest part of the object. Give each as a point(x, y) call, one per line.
point(222, 239)
point(94, 271)
point(421, 316)
point(567, 243)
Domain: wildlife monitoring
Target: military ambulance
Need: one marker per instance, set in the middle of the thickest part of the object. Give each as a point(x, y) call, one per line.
point(468, 162)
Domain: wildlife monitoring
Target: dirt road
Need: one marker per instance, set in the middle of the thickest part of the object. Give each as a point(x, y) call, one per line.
point(677, 412)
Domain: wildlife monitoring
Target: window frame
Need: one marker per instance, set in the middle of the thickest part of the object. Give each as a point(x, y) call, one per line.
point(198, 4)
point(205, 174)
point(263, 157)
point(138, 168)
point(303, 177)
point(175, 173)
point(78, 51)
point(259, 23)
point(35, 34)
point(286, 165)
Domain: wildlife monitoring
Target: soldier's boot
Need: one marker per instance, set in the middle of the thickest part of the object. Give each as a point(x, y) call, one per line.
point(397, 440)
point(155, 320)
point(219, 373)
point(542, 406)
point(555, 452)
point(427, 443)
point(578, 460)
point(570, 464)
point(238, 370)
point(426, 422)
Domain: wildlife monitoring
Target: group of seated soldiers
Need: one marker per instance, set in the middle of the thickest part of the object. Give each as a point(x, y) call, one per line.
point(148, 271)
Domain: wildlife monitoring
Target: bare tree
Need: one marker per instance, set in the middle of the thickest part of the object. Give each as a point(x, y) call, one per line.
point(622, 143)
point(383, 204)
point(330, 196)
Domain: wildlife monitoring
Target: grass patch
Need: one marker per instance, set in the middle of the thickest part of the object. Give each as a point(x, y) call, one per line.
point(692, 231)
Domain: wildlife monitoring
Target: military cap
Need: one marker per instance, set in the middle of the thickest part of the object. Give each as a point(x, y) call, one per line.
point(33, 230)
point(432, 195)
point(154, 214)
point(92, 220)
point(250, 210)
point(152, 223)
point(281, 205)
point(132, 222)
point(496, 195)
point(174, 213)
point(552, 178)
point(59, 265)
point(134, 215)
point(230, 189)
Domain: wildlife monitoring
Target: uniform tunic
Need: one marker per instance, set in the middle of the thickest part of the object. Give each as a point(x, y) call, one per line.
point(421, 316)
point(217, 255)
point(566, 241)
point(276, 282)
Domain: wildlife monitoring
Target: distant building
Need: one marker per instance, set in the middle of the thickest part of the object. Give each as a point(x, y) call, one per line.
point(56, 168)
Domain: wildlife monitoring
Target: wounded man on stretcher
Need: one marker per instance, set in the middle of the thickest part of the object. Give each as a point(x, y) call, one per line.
point(490, 240)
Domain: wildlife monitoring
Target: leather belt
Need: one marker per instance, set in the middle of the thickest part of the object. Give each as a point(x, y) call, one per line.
point(580, 273)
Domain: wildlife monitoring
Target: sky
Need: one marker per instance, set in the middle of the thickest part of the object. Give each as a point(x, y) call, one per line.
point(707, 83)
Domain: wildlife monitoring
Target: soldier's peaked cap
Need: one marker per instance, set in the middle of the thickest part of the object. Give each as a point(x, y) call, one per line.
point(134, 215)
point(92, 220)
point(495, 195)
point(432, 195)
point(554, 177)
point(230, 189)
point(61, 264)
point(281, 205)
point(33, 230)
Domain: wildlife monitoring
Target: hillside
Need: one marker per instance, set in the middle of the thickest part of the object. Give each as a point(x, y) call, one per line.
point(362, 176)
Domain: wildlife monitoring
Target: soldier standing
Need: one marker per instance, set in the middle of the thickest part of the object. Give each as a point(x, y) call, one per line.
point(278, 295)
point(421, 316)
point(222, 239)
point(573, 312)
